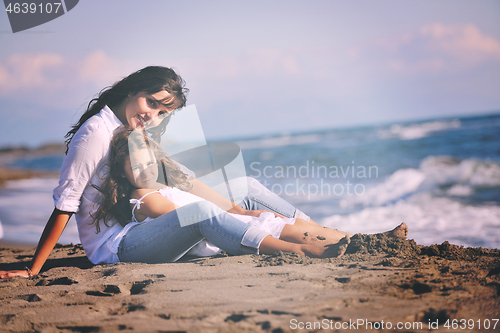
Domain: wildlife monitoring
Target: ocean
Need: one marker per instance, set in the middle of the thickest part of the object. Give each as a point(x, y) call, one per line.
point(441, 177)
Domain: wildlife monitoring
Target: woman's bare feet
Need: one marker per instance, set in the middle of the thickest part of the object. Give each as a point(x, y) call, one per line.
point(401, 231)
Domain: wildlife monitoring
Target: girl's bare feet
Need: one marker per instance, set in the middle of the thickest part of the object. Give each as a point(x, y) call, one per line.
point(313, 251)
point(337, 250)
point(401, 231)
point(328, 251)
point(302, 232)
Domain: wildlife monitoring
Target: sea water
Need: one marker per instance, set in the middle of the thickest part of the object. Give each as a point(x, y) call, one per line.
point(441, 177)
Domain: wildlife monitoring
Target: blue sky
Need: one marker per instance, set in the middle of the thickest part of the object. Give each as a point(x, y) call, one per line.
point(257, 67)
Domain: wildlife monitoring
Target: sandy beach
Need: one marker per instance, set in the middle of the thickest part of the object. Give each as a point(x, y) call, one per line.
point(380, 283)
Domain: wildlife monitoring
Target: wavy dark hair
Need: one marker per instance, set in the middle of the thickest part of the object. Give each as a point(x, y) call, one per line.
point(151, 79)
point(116, 188)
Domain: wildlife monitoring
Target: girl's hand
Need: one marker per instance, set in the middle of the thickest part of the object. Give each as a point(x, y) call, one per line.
point(9, 274)
point(257, 213)
point(241, 211)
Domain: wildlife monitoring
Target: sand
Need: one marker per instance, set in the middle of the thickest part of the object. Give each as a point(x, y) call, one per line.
point(13, 174)
point(379, 283)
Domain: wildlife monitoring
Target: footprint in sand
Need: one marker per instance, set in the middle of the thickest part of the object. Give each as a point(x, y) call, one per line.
point(30, 298)
point(4, 319)
point(107, 291)
point(62, 281)
point(138, 287)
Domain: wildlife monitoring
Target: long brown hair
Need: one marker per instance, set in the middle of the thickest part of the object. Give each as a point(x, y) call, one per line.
point(116, 188)
point(151, 79)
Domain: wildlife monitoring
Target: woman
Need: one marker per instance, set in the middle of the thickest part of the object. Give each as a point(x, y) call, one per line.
point(145, 99)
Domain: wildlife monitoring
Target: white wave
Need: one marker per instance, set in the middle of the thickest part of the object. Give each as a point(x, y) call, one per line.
point(417, 131)
point(430, 220)
point(435, 172)
point(460, 190)
point(25, 207)
point(446, 170)
point(1, 230)
point(32, 184)
point(284, 140)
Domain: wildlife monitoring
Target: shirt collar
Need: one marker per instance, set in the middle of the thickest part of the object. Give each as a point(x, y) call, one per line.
point(110, 119)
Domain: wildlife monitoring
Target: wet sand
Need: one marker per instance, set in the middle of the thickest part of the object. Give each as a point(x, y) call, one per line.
point(9, 155)
point(380, 280)
point(7, 174)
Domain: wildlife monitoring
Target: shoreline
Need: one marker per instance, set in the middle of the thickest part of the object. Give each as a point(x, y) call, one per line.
point(7, 174)
point(379, 280)
point(16, 246)
point(8, 155)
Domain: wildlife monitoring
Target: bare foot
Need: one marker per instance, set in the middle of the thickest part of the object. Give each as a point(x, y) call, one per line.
point(328, 251)
point(401, 231)
point(313, 251)
point(337, 250)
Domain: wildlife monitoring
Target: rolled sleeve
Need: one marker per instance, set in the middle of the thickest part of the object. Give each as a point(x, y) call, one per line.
point(60, 196)
point(253, 237)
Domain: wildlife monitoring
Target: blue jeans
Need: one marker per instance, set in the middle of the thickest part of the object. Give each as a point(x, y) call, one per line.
point(165, 240)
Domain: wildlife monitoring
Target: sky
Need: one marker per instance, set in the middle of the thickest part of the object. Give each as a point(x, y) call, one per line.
point(258, 67)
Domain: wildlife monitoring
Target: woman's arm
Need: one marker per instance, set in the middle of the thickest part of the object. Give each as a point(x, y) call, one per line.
point(53, 230)
point(206, 192)
point(153, 205)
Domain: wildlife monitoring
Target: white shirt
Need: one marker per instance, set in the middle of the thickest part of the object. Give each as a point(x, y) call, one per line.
point(86, 164)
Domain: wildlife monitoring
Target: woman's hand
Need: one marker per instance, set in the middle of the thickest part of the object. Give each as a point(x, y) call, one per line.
point(9, 274)
point(257, 213)
point(51, 233)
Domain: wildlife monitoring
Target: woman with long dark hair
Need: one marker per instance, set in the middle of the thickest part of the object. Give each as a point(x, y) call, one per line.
point(144, 99)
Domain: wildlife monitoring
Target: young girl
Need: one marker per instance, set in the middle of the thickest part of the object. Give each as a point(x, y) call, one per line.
point(137, 163)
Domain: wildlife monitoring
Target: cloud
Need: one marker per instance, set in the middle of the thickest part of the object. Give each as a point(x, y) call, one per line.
point(50, 71)
point(100, 69)
point(437, 47)
point(53, 80)
point(26, 72)
point(255, 63)
point(466, 44)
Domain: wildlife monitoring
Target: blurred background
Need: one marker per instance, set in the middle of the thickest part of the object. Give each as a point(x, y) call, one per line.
point(363, 114)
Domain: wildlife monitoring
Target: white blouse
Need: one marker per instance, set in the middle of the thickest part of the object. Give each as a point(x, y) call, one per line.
point(86, 164)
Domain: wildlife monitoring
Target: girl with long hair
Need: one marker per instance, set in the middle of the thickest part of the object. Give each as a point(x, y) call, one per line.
point(142, 177)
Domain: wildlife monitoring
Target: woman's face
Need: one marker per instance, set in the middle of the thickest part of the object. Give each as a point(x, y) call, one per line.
point(147, 110)
point(141, 169)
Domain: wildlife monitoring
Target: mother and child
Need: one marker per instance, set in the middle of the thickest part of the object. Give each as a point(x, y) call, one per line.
point(135, 204)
